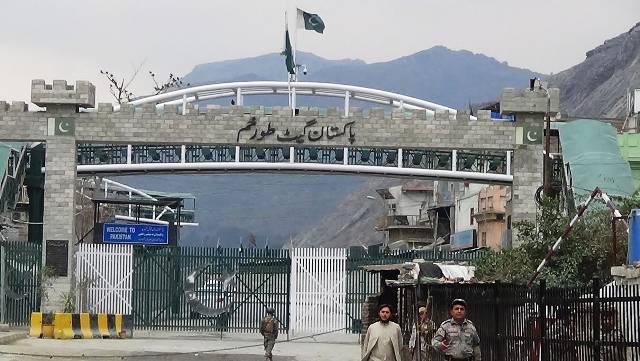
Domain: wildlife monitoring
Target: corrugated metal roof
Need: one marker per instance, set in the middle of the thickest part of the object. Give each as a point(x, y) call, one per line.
point(441, 272)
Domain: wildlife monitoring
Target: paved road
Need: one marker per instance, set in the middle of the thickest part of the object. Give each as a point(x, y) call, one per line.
point(199, 357)
point(181, 348)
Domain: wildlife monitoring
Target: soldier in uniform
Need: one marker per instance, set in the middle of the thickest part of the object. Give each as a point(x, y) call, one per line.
point(426, 329)
point(457, 337)
point(269, 330)
point(610, 333)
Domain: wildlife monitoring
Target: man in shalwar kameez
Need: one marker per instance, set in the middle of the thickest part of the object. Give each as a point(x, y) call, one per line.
point(383, 341)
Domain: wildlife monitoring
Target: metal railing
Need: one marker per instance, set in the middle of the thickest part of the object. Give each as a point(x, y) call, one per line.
point(405, 220)
point(482, 166)
point(238, 90)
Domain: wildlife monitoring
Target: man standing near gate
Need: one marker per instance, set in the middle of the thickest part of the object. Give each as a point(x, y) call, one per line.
point(423, 335)
point(457, 337)
point(269, 330)
point(383, 341)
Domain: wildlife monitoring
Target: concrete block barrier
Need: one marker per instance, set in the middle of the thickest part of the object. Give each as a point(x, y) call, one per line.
point(80, 325)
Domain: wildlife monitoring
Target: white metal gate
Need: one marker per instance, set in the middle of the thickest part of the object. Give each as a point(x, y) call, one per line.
point(318, 290)
point(104, 278)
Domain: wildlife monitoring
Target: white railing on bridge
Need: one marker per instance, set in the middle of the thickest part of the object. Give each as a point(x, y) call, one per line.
point(238, 90)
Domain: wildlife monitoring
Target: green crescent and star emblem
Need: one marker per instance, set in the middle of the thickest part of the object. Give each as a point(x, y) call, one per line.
point(64, 126)
point(532, 135)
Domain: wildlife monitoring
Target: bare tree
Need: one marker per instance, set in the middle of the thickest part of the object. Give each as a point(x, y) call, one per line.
point(171, 83)
point(119, 87)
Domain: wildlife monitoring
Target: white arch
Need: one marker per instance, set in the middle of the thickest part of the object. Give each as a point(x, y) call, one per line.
point(240, 89)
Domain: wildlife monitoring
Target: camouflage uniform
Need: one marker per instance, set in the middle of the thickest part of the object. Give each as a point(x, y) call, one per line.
point(269, 330)
point(426, 331)
point(462, 338)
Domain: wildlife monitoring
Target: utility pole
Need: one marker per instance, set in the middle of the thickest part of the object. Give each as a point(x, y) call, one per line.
point(547, 148)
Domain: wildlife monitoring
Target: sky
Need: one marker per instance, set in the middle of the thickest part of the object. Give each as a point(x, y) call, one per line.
point(74, 39)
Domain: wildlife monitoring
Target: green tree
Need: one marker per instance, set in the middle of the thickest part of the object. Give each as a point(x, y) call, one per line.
point(585, 253)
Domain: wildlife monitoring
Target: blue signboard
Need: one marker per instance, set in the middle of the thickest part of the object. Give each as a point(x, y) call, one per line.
point(463, 240)
point(150, 234)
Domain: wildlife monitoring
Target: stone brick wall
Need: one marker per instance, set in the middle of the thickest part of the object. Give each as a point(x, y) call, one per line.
point(221, 125)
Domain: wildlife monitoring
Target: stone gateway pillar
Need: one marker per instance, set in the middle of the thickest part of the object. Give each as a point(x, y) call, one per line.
point(528, 106)
point(62, 102)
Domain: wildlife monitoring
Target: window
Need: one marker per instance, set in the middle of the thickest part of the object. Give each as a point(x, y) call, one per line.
point(490, 202)
point(471, 217)
point(484, 239)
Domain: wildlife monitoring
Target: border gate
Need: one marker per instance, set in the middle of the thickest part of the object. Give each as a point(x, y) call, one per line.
point(104, 278)
point(318, 290)
point(314, 290)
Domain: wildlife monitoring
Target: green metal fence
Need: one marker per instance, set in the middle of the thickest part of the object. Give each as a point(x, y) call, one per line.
point(20, 267)
point(262, 279)
point(159, 275)
point(361, 284)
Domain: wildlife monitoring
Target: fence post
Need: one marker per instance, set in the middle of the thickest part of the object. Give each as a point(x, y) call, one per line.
point(596, 318)
point(289, 255)
point(544, 349)
point(3, 281)
point(499, 330)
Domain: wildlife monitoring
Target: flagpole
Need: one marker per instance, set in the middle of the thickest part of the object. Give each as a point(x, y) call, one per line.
point(292, 91)
point(286, 28)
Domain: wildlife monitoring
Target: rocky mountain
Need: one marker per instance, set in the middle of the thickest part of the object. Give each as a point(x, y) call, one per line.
point(598, 86)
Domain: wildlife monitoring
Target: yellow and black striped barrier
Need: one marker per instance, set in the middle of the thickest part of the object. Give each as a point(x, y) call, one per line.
point(80, 325)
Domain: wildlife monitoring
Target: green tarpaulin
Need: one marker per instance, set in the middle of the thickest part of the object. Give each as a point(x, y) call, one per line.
point(591, 149)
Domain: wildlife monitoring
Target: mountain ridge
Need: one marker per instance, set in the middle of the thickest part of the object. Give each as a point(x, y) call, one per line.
point(454, 77)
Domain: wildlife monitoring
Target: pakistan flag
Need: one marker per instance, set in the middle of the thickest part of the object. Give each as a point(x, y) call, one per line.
point(310, 21)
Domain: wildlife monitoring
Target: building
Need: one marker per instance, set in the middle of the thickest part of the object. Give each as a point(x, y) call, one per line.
point(405, 224)
point(464, 233)
point(491, 217)
point(466, 205)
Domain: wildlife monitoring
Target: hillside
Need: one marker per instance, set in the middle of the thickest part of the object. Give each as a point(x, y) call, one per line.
point(598, 86)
